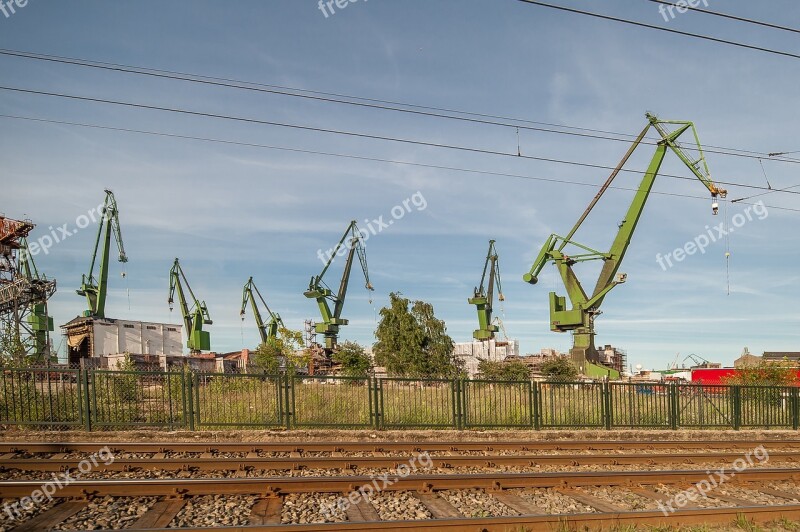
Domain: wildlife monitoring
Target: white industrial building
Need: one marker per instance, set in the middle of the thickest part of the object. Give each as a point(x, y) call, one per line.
point(492, 350)
point(94, 337)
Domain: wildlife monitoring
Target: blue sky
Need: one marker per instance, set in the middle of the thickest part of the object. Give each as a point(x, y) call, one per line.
point(231, 211)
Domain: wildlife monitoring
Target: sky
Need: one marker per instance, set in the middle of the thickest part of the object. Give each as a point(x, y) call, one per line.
point(262, 200)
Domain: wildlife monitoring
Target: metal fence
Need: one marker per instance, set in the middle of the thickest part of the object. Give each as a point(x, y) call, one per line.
point(92, 399)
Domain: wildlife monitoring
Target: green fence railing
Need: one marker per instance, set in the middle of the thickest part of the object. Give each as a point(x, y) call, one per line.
point(89, 399)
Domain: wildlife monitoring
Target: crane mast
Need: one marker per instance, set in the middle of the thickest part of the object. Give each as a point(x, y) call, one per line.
point(580, 317)
point(484, 295)
point(266, 331)
point(318, 290)
point(194, 317)
point(39, 322)
point(95, 289)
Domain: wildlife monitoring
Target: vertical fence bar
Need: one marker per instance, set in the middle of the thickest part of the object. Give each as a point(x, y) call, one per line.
point(87, 411)
point(192, 384)
point(794, 406)
point(536, 393)
point(673, 406)
point(607, 414)
point(736, 397)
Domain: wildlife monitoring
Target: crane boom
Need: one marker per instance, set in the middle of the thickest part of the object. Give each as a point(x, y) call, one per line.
point(194, 317)
point(483, 297)
point(318, 290)
point(585, 307)
point(266, 331)
point(96, 289)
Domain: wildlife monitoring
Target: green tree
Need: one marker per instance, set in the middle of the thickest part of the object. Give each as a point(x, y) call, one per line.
point(559, 369)
point(354, 360)
point(413, 342)
point(505, 370)
point(767, 373)
point(285, 350)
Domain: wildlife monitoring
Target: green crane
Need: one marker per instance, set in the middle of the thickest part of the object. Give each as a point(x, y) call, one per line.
point(317, 289)
point(40, 324)
point(580, 318)
point(194, 317)
point(95, 290)
point(484, 297)
point(268, 330)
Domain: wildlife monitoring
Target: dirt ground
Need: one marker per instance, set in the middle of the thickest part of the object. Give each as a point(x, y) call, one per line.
point(238, 436)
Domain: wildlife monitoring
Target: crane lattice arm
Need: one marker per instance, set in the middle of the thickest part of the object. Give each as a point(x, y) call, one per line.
point(318, 290)
point(580, 318)
point(483, 297)
point(95, 289)
point(266, 331)
point(194, 317)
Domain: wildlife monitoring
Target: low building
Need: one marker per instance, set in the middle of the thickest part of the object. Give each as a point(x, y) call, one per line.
point(495, 350)
point(96, 337)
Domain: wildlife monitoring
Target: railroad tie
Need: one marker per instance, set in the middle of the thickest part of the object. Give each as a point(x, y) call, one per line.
point(267, 511)
point(52, 517)
point(660, 497)
point(590, 500)
point(362, 511)
point(437, 506)
point(780, 493)
point(160, 514)
point(518, 504)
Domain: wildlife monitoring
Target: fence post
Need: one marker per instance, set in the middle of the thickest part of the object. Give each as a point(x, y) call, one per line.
point(458, 404)
point(673, 405)
point(737, 407)
point(373, 382)
point(190, 385)
point(536, 392)
point(795, 404)
point(608, 414)
point(87, 411)
point(288, 394)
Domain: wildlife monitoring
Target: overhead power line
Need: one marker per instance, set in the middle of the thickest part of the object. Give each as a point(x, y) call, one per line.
point(725, 15)
point(660, 28)
point(358, 157)
point(387, 105)
point(415, 142)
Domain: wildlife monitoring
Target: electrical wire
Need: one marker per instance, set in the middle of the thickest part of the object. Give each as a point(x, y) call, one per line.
point(481, 151)
point(669, 30)
point(360, 157)
point(725, 15)
point(386, 105)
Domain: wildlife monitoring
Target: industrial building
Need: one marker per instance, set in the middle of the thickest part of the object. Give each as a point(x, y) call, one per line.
point(89, 337)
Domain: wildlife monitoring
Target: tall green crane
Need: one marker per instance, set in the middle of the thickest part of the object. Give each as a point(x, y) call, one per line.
point(484, 296)
point(194, 317)
point(580, 318)
point(39, 323)
point(317, 289)
point(269, 330)
point(96, 289)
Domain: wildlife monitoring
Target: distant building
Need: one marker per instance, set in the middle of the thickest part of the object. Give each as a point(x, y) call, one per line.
point(95, 337)
point(613, 357)
point(779, 356)
point(494, 350)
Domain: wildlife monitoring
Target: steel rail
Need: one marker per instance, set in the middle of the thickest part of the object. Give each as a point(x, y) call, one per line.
point(417, 446)
point(273, 486)
point(593, 521)
point(441, 462)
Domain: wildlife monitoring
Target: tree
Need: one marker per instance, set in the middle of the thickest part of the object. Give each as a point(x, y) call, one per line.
point(506, 370)
point(413, 343)
point(767, 373)
point(283, 351)
point(559, 369)
point(354, 360)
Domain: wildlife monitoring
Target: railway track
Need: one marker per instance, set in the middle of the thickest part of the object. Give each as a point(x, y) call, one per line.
point(425, 498)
